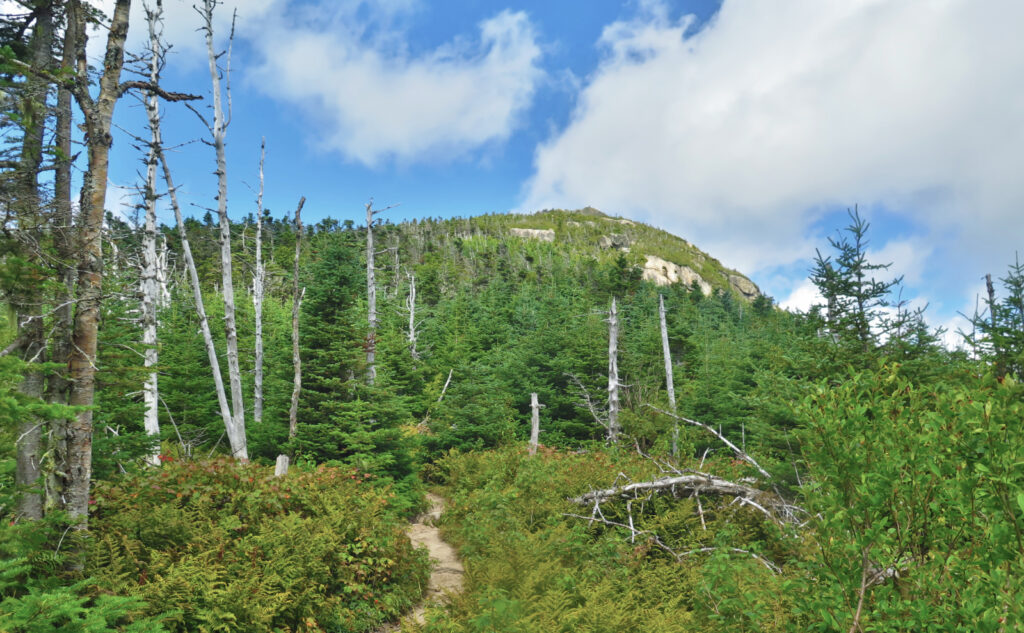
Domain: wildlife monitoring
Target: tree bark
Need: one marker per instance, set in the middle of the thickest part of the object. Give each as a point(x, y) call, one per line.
point(58, 387)
point(162, 274)
point(669, 380)
point(410, 304)
point(197, 297)
point(30, 434)
point(257, 300)
point(534, 423)
point(613, 373)
point(149, 285)
point(236, 434)
point(97, 115)
point(293, 412)
point(697, 483)
point(371, 300)
point(29, 300)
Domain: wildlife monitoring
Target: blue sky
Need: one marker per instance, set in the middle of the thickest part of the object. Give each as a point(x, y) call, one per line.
point(746, 127)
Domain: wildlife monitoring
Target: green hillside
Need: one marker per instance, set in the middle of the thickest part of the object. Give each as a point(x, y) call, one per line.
point(841, 459)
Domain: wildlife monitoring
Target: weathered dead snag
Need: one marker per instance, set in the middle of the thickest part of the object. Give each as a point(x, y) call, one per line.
point(696, 483)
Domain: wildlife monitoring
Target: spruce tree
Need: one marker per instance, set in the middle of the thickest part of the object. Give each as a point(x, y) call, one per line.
point(855, 299)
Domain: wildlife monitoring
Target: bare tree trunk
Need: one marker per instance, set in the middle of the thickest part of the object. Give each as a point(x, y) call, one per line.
point(613, 373)
point(669, 381)
point(30, 436)
point(197, 295)
point(236, 434)
point(257, 299)
point(371, 300)
point(990, 289)
point(28, 302)
point(162, 274)
point(293, 412)
point(97, 117)
point(149, 285)
point(410, 304)
point(281, 467)
point(58, 387)
point(534, 423)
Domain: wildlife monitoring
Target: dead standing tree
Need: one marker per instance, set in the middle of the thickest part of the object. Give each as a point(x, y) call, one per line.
point(156, 144)
point(293, 411)
point(410, 306)
point(258, 288)
point(149, 280)
point(218, 130)
point(613, 374)
point(535, 406)
point(669, 380)
point(371, 294)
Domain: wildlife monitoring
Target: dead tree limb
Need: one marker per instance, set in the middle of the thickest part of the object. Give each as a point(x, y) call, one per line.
point(770, 504)
point(740, 453)
point(655, 540)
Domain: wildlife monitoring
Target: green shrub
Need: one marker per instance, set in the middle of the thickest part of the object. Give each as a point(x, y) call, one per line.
point(532, 569)
point(231, 548)
point(38, 596)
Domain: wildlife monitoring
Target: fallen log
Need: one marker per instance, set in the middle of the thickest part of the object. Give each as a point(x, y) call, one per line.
point(771, 504)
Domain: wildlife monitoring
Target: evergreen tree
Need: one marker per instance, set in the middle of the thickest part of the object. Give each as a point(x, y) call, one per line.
point(854, 298)
point(1001, 331)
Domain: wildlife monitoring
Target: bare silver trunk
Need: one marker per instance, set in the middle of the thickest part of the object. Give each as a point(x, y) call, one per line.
point(669, 380)
point(371, 300)
point(197, 297)
point(163, 274)
point(218, 130)
point(258, 284)
point(534, 423)
point(293, 412)
point(613, 373)
point(410, 304)
point(149, 287)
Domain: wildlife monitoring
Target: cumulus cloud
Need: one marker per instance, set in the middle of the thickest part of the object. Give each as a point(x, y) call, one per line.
point(180, 25)
point(802, 297)
point(741, 134)
point(374, 101)
point(907, 258)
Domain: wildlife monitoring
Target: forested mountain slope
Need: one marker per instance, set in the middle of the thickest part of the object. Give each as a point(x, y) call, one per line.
point(854, 446)
point(504, 304)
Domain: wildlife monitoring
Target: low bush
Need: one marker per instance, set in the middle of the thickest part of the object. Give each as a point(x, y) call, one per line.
point(227, 547)
point(531, 568)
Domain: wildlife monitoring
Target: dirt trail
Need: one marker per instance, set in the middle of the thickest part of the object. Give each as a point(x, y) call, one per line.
point(446, 574)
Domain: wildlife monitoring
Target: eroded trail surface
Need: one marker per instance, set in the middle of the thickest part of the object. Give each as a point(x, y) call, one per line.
point(446, 574)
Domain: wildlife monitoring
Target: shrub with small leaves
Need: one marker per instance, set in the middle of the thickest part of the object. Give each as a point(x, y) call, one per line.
point(232, 548)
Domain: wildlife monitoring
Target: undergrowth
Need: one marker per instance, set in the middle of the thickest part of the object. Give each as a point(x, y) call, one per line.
point(224, 546)
point(531, 568)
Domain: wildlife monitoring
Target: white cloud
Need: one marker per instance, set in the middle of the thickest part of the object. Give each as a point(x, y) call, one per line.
point(908, 257)
point(802, 297)
point(740, 135)
point(373, 101)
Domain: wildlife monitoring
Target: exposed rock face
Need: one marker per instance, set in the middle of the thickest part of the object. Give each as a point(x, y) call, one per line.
point(545, 235)
point(625, 221)
point(745, 287)
point(615, 240)
point(663, 273)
